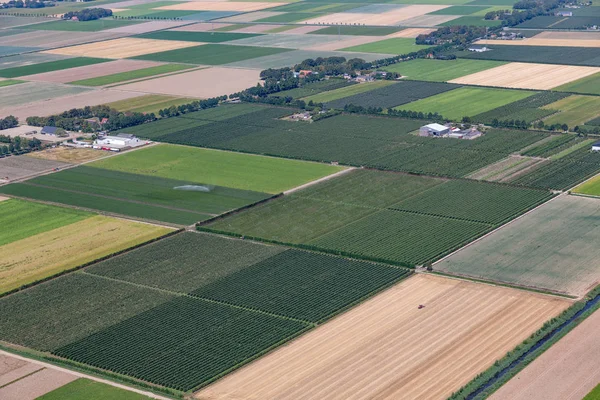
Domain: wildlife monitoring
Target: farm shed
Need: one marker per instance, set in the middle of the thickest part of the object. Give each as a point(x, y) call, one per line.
point(478, 49)
point(119, 141)
point(433, 130)
point(49, 130)
point(596, 146)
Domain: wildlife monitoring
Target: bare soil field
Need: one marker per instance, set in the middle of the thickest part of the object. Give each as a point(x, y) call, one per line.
point(58, 105)
point(200, 27)
point(122, 48)
point(302, 30)
point(17, 167)
point(12, 369)
point(91, 71)
point(392, 17)
point(346, 41)
point(48, 253)
point(553, 247)
point(259, 28)
point(410, 33)
point(146, 27)
point(568, 35)
point(566, 371)
point(250, 17)
point(51, 39)
point(210, 82)
point(30, 92)
point(221, 6)
point(66, 154)
point(387, 348)
point(37, 384)
point(2, 198)
point(527, 75)
point(538, 41)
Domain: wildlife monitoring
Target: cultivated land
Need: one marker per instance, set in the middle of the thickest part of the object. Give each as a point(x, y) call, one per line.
point(45, 254)
point(574, 110)
point(528, 76)
point(373, 352)
point(591, 187)
point(590, 84)
point(552, 248)
point(391, 17)
point(389, 46)
point(568, 370)
point(91, 390)
point(18, 167)
point(121, 48)
point(440, 70)
point(221, 6)
point(542, 41)
point(149, 103)
point(31, 92)
point(351, 90)
point(65, 154)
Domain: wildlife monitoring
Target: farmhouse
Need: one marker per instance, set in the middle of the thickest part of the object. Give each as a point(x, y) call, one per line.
point(596, 146)
point(433, 130)
point(49, 130)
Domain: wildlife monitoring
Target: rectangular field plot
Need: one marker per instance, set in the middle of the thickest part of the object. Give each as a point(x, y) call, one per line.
point(81, 26)
point(18, 167)
point(552, 248)
point(313, 88)
point(122, 48)
point(528, 109)
point(574, 110)
point(108, 79)
point(410, 223)
point(210, 54)
point(376, 349)
point(347, 91)
point(389, 46)
point(440, 70)
point(203, 37)
point(588, 85)
point(35, 91)
point(540, 54)
point(465, 101)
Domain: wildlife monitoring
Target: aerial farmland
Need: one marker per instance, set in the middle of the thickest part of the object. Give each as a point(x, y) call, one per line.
point(299, 199)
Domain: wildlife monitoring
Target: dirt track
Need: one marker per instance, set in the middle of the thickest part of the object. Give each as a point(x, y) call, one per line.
point(387, 348)
point(567, 371)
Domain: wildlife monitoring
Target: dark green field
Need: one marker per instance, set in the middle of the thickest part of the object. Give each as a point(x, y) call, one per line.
point(49, 66)
point(205, 37)
point(357, 30)
point(212, 54)
point(314, 88)
point(290, 17)
point(540, 54)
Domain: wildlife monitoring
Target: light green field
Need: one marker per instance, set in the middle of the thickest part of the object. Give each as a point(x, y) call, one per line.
point(148, 103)
point(466, 101)
point(591, 187)
point(574, 110)
point(214, 167)
point(130, 75)
point(347, 91)
point(441, 70)
point(594, 394)
point(90, 390)
point(9, 82)
point(388, 46)
point(589, 84)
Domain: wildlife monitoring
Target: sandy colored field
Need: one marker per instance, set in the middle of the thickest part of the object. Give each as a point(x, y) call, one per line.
point(567, 371)
point(209, 82)
point(2, 198)
point(147, 27)
point(68, 154)
point(410, 33)
point(200, 27)
point(392, 17)
point(91, 71)
point(301, 30)
point(259, 28)
point(386, 348)
point(221, 6)
point(568, 35)
point(536, 41)
point(45, 254)
point(33, 386)
point(12, 369)
point(527, 75)
point(58, 105)
point(18, 167)
point(250, 17)
point(122, 48)
point(347, 41)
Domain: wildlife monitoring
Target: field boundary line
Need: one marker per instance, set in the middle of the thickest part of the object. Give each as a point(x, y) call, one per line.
point(82, 375)
point(317, 181)
point(22, 377)
point(499, 227)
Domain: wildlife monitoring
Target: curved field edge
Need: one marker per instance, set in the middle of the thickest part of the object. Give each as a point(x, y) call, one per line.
point(490, 380)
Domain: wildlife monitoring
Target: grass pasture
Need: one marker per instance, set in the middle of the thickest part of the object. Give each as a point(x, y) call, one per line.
point(388, 46)
point(472, 21)
point(587, 85)
point(91, 390)
point(131, 75)
point(574, 110)
point(591, 187)
point(440, 70)
point(551, 248)
point(9, 82)
point(466, 101)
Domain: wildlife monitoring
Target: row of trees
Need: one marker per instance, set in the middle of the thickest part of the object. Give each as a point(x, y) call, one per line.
point(88, 14)
point(18, 145)
point(8, 122)
point(196, 105)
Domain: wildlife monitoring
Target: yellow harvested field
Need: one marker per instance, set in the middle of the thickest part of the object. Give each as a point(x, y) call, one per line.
point(221, 6)
point(70, 155)
point(410, 33)
point(527, 76)
point(536, 41)
point(48, 253)
point(392, 17)
point(122, 48)
point(387, 348)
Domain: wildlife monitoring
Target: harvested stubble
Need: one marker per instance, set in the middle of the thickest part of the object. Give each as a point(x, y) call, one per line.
point(122, 48)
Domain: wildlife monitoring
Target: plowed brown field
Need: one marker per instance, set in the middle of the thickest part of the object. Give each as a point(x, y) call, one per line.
point(387, 348)
point(221, 6)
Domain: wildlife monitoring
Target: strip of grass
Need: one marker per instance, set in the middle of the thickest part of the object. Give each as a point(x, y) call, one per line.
point(10, 82)
point(81, 26)
point(143, 102)
point(466, 101)
point(347, 91)
point(388, 46)
point(357, 30)
point(21, 219)
point(90, 390)
point(589, 84)
point(50, 66)
point(440, 70)
point(129, 75)
point(574, 110)
point(204, 37)
point(212, 54)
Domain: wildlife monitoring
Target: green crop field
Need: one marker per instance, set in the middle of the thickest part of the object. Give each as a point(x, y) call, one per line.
point(212, 167)
point(552, 248)
point(528, 109)
point(21, 219)
point(289, 17)
point(440, 70)
point(591, 187)
point(328, 96)
point(10, 82)
point(540, 54)
point(130, 75)
point(204, 37)
point(82, 26)
point(342, 216)
point(69, 308)
point(148, 103)
point(388, 46)
point(574, 110)
point(313, 88)
point(212, 54)
point(588, 85)
point(49, 66)
point(472, 21)
point(357, 30)
point(91, 390)
point(459, 10)
point(466, 101)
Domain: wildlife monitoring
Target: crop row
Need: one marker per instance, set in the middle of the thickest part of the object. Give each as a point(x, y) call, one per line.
point(527, 109)
point(551, 147)
point(541, 54)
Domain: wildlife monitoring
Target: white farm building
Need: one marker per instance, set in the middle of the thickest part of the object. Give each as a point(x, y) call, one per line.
point(434, 130)
point(118, 142)
point(596, 146)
